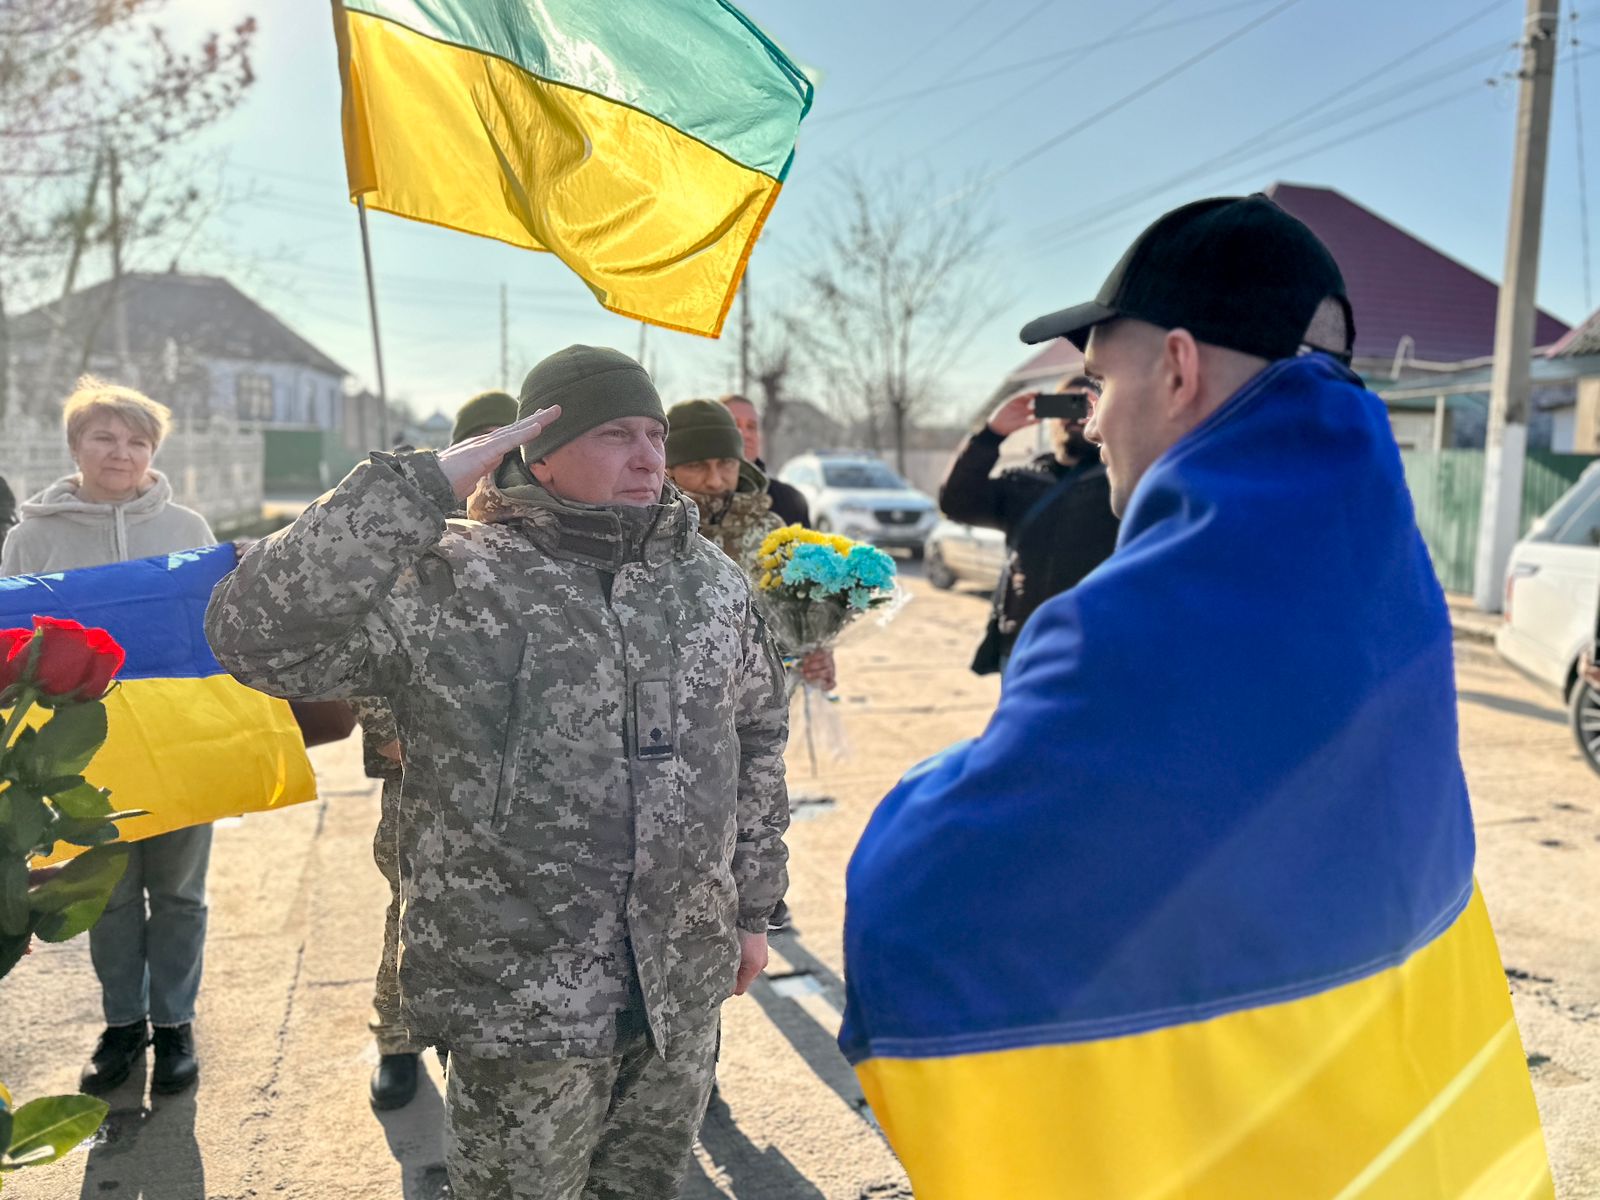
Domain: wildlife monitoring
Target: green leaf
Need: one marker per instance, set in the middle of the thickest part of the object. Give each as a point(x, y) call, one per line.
point(5, 1127)
point(68, 740)
point(23, 818)
point(73, 900)
point(11, 951)
point(91, 831)
point(14, 910)
point(61, 783)
point(84, 801)
point(43, 1130)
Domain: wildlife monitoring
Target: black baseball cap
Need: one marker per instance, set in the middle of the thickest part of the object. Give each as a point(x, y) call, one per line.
point(1235, 271)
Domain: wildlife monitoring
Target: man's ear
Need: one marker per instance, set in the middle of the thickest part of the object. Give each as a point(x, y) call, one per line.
point(1180, 371)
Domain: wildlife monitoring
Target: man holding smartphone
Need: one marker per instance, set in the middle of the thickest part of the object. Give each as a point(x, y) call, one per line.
point(1055, 511)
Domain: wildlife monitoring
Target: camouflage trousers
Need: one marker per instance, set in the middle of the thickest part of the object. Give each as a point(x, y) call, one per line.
point(616, 1128)
point(391, 1036)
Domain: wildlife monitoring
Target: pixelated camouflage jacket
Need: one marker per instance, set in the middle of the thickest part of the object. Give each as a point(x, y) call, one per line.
point(587, 769)
point(737, 524)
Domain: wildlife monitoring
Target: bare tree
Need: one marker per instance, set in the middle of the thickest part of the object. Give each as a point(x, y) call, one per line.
point(901, 283)
point(95, 97)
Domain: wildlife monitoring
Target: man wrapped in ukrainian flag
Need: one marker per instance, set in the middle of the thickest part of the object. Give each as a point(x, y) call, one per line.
point(1195, 916)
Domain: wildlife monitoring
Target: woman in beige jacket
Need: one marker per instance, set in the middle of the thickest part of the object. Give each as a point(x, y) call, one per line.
point(117, 507)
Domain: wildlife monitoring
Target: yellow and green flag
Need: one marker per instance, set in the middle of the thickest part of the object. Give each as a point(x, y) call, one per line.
point(642, 144)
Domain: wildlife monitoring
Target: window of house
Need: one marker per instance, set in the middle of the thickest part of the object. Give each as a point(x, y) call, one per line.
point(254, 397)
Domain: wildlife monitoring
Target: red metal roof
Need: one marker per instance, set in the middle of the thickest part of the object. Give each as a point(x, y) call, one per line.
point(1399, 285)
point(1057, 356)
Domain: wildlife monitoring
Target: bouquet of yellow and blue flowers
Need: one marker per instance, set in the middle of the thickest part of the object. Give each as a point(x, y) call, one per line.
point(810, 586)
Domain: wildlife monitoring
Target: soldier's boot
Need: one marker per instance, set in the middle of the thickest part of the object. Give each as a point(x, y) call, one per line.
point(177, 1066)
point(394, 1081)
point(120, 1046)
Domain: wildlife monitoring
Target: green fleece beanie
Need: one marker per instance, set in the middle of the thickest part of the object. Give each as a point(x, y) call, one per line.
point(485, 411)
point(700, 430)
point(593, 385)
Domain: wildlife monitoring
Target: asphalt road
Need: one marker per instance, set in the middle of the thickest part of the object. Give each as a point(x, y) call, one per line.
point(281, 1108)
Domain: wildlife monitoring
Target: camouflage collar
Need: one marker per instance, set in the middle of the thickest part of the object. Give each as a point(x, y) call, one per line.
point(598, 535)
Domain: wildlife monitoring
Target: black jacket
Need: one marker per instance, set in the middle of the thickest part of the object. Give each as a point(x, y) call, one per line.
point(1050, 552)
point(787, 501)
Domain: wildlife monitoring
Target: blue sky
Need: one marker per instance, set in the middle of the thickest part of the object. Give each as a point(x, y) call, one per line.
point(1394, 110)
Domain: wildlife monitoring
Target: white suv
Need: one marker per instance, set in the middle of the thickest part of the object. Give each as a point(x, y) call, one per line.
point(1553, 588)
point(861, 498)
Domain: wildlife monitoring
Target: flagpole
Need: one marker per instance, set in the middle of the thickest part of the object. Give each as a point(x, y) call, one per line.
point(377, 342)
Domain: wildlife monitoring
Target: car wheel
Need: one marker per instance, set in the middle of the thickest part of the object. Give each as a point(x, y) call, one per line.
point(938, 572)
point(824, 525)
point(916, 553)
point(1584, 717)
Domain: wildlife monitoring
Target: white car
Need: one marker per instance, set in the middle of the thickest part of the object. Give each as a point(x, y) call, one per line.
point(860, 497)
point(957, 553)
point(1551, 598)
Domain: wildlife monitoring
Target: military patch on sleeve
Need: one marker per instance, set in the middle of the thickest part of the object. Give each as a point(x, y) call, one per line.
point(652, 719)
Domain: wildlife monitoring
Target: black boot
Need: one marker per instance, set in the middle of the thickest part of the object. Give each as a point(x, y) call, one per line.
point(176, 1065)
point(394, 1081)
point(119, 1048)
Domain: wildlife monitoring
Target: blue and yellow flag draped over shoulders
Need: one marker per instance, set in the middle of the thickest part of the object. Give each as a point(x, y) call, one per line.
point(1195, 916)
point(185, 740)
point(643, 144)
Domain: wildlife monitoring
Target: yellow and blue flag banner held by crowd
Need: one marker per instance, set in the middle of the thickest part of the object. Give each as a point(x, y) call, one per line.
point(642, 144)
point(1195, 917)
point(185, 741)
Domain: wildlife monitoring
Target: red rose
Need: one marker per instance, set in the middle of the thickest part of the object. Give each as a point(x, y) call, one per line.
point(74, 663)
point(13, 655)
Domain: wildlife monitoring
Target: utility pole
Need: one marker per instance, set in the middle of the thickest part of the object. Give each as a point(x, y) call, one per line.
point(1506, 440)
point(505, 340)
point(744, 333)
point(643, 329)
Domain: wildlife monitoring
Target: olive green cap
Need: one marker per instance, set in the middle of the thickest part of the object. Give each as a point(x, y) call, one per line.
point(593, 385)
point(485, 411)
point(699, 430)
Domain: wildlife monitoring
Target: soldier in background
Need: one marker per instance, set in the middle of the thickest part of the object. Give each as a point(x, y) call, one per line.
point(394, 1079)
point(787, 501)
point(594, 721)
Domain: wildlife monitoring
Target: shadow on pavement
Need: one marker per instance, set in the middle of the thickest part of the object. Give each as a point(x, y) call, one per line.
point(146, 1153)
point(416, 1139)
point(746, 1172)
point(1517, 708)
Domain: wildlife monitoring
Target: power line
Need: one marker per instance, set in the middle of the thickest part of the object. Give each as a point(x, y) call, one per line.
point(1126, 217)
point(1122, 33)
point(1122, 102)
point(1265, 142)
point(1055, 56)
point(919, 54)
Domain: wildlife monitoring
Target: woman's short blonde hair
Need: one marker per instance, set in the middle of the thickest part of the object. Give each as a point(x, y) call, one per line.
point(96, 398)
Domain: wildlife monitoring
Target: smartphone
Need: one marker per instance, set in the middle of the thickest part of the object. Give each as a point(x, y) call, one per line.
point(1066, 406)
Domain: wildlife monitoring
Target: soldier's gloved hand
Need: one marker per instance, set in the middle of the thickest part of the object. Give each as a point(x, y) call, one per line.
point(469, 461)
point(752, 960)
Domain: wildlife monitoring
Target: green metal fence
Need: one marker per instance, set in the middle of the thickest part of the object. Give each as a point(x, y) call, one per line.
point(1447, 490)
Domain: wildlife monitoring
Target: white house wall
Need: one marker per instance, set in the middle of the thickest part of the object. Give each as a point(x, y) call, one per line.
point(301, 395)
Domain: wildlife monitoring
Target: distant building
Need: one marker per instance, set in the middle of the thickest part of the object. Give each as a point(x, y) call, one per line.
point(195, 342)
